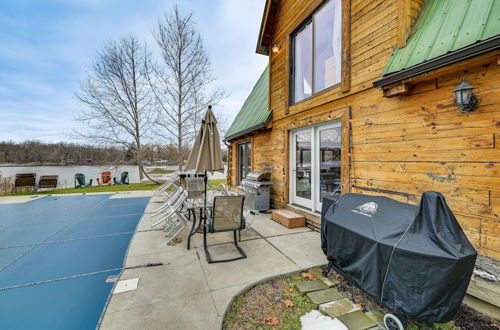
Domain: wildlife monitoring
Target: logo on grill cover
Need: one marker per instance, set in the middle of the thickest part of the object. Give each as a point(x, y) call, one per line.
point(367, 209)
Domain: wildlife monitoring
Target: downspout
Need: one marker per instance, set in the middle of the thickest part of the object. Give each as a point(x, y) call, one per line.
point(229, 164)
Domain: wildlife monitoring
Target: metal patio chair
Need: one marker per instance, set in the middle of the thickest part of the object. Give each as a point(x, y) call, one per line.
point(169, 209)
point(195, 186)
point(174, 220)
point(168, 198)
point(168, 201)
point(176, 223)
point(248, 214)
point(164, 187)
point(225, 215)
point(213, 192)
point(224, 189)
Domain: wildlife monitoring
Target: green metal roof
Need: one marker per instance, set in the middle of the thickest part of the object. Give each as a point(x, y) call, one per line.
point(255, 112)
point(445, 26)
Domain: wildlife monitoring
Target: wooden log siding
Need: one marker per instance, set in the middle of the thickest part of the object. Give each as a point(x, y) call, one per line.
point(408, 12)
point(401, 146)
point(259, 151)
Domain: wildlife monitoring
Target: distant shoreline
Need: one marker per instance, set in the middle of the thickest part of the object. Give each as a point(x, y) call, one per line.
point(71, 164)
point(81, 164)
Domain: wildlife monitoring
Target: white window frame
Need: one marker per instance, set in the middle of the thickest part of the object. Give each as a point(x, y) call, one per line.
point(314, 205)
point(293, 35)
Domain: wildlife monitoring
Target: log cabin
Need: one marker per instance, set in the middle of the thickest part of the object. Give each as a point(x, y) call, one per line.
point(366, 96)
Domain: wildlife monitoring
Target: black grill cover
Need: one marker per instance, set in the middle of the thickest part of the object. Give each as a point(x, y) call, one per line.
point(415, 260)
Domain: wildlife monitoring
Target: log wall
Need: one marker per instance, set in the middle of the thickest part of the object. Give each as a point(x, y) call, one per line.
point(401, 146)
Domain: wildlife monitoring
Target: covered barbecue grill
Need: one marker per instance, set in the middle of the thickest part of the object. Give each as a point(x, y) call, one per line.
point(414, 260)
point(257, 186)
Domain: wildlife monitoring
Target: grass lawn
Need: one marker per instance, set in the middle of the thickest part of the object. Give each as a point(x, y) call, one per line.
point(160, 171)
point(112, 188)
point(216, 182)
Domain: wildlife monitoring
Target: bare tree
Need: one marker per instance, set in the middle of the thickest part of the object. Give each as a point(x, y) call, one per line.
point(181, 81)
point(117, 94)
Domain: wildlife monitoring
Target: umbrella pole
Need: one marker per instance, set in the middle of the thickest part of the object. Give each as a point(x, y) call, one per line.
point(206, 181)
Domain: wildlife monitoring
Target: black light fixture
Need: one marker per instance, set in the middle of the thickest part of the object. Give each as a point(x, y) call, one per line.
point(276, 48)
point(464, 97)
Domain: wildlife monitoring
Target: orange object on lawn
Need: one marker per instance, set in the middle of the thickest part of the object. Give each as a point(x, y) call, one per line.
point(105, 179)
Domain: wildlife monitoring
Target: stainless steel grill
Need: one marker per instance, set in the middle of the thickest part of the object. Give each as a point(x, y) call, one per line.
point(257, 186)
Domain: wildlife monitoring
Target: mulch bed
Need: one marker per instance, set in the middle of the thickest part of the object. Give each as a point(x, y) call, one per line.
point(469, 319)
point(266, 306)
point(466, 318)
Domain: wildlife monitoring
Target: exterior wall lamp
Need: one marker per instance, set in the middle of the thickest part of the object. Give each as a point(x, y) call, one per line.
point(464, 97)
point(276, 48)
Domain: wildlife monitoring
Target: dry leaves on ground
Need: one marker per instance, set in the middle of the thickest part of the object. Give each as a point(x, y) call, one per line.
point(175, 241)
point(308, 276)
point(288, 303)
point(361, 306)
point(271, 321)
point(340, 278)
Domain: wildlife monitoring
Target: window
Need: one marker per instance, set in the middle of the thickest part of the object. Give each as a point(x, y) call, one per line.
point(303, 63)
point(317, 52)
point(244, 160)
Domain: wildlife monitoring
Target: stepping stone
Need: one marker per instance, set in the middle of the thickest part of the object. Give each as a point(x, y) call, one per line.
point(314, 320)
point(324, 296)
point(318, 272)
point(376, 317)
point(339, 307)
point(309, 286)
point(357, 321)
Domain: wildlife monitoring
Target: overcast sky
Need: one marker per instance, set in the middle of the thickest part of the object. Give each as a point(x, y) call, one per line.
point(47, 45)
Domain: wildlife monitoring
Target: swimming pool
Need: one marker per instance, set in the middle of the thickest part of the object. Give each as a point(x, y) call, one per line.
point(58, 257)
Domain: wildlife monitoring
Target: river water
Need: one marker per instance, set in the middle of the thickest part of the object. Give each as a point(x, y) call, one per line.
point(67, 173)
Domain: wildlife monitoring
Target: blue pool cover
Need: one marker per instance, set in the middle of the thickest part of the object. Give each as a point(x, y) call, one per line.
point(56, 254)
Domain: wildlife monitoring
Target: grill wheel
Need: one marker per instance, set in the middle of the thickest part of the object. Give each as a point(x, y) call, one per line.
point(392, 322)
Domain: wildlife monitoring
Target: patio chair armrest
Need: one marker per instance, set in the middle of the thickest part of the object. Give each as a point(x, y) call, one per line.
point(200, 207)
point(208, 209)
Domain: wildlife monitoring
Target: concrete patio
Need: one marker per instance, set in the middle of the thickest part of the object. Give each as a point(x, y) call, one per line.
point(188, 293)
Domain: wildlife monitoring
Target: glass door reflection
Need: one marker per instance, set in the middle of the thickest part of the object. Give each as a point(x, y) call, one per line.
point(329, 142)
point(303, 165)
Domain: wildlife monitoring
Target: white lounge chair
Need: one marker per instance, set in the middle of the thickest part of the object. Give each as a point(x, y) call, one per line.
point(164, 187)
point(168, 209)
point(170, 197)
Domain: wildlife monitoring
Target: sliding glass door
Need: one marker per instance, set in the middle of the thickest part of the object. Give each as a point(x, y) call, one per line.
point(315, 164)
point(244, 160)
point(301, 170)
point(327, 162)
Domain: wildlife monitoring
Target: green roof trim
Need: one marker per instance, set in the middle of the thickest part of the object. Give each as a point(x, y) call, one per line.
point(255, 112)
point(443, 27)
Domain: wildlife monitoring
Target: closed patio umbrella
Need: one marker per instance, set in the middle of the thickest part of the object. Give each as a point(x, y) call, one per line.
point(206, 154)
